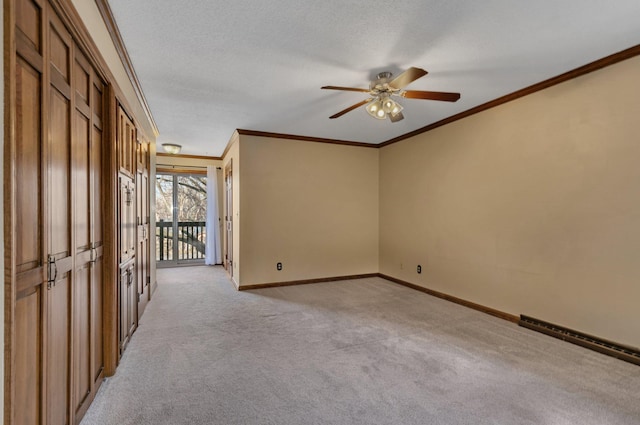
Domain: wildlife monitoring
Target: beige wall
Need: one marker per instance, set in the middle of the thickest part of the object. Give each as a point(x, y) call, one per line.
point(311, 206)
point(531, 208)
point(232, 158)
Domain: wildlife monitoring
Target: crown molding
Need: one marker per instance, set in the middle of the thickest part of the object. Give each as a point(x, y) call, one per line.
point(204, 157)
point(304, 138)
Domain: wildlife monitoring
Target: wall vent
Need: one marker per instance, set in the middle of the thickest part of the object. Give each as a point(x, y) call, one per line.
point(622, 352)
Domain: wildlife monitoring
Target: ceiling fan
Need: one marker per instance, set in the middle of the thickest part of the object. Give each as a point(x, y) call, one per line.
point(381, 105)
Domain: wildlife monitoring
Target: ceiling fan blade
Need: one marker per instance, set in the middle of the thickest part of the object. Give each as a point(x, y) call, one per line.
point(345, 89)
point(351, 108)
point(407, 77)
point(398, 117)
point(431, 95)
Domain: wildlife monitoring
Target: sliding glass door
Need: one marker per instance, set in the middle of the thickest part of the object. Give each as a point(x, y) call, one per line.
point(181, 211)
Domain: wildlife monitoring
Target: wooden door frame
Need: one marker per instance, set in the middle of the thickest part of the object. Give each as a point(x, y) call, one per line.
point(228, 214)
point(175, 174)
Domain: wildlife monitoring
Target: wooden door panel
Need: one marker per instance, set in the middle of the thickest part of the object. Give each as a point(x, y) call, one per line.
point(97, 342)
point(81, 336)
point(60, 215)
point(57, 392)
point(82, 79)
point(59, 53)
point(96, 103)
point(127, 203)
point(123, 307)
point(126, 143)
point(59, 177)
point(29, 224)
point(142, 286)
point(96, 177)
point(29, 21)
point(132, 295)
point(28, 229)
point(81, 183)
point(28, 366)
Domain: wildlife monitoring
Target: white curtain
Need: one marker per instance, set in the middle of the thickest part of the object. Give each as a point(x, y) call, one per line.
point(213, 254)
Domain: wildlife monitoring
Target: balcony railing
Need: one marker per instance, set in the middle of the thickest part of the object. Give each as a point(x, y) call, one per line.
point(191, 238)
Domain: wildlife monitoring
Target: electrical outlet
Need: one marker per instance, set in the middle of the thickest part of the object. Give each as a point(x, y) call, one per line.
point(279, 266)
point(419, 269)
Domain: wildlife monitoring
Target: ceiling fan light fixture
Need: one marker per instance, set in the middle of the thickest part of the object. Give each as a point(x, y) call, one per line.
point(391, 107)
point(388, 104)
point(171, 148)
point(376, 110)
point(397, 108)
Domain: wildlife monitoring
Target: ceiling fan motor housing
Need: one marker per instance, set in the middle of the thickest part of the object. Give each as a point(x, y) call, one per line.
point(382, 79)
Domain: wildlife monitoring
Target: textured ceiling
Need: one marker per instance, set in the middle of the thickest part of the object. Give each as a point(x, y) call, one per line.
point(210, 67)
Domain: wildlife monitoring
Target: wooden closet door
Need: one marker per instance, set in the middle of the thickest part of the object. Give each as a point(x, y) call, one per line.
point(59, 225)
point(127, 294)
point(58, 343)
point(97, 196)
point(29, 229)
point(87, 288)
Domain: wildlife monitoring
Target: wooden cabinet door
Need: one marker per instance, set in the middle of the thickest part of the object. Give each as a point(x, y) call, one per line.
point(88, 235)
point(30, 252)
point(127, 294)
point(127, 205)
point(59, 222)
point(123, 308)
point(127, 305)
point(58, 233)
point(98, 233)
point(126, 142)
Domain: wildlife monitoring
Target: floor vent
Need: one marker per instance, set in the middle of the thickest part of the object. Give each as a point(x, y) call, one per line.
point(613, 349)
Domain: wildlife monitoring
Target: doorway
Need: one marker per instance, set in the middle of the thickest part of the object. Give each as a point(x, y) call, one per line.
point(181, 213)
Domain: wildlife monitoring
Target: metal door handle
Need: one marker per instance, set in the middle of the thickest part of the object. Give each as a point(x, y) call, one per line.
point(52, 264)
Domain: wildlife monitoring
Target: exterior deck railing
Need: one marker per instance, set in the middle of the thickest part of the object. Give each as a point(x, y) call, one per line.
point(191, 240)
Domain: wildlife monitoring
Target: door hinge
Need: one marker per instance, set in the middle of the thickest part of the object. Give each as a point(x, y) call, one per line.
point(93, 255)
point(148, 280)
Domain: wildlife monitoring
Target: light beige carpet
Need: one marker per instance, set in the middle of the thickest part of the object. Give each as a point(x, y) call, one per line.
point(352, 352)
